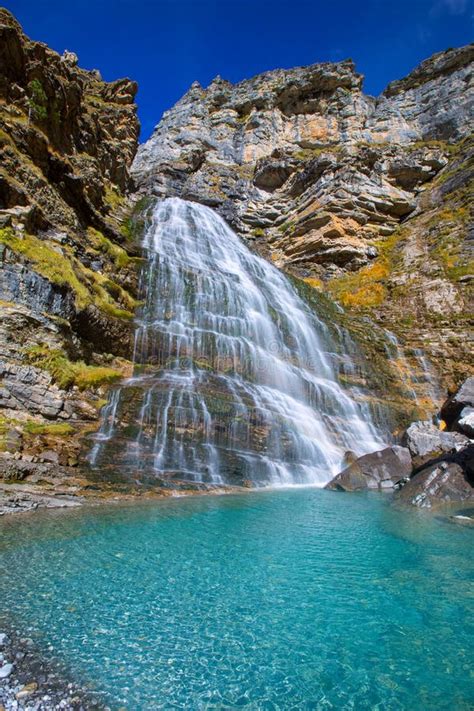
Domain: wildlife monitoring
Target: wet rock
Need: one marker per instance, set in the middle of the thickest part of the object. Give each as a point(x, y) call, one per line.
point(449, 478)
point(378, 470)
point(426, 442)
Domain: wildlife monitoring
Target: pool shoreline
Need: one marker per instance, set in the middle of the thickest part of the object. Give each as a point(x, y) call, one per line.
point(35, 682)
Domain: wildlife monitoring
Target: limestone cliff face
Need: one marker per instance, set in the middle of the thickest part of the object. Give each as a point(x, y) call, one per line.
point(342, 189)
point(68, 264)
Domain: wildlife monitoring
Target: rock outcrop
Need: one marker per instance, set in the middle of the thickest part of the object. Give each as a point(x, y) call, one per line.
point(68, 259)
point(458, 409)
point(365, 198)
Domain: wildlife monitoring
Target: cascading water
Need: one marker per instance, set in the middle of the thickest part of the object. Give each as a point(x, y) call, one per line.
point(233, 378)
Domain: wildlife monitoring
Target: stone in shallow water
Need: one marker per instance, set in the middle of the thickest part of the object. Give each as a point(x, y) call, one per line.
point(378, 470)
point(466, 422)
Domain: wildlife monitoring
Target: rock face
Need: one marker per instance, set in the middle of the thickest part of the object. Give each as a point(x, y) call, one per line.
point(68, 260)
point(378, 470)
point(366, 198)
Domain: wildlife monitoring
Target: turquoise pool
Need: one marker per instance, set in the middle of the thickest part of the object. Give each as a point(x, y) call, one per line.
point(295, 599)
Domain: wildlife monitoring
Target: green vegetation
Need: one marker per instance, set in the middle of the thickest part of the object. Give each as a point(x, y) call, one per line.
point(287, 227)
point(444, 236)
point(38, 100)
point(133, 226)
point(258, 232)
point(59, 429)
point(103, 244)
point(307, 154)
point(112, 197)
point(66, 373)
point(49, 262)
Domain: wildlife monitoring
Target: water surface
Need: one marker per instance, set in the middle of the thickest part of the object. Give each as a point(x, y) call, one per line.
point(296, 599)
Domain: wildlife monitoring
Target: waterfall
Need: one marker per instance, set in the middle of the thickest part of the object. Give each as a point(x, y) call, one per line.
point(234, 378)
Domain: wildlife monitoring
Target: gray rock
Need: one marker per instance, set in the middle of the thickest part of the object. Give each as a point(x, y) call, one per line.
point(377, 470)
point(49, 456)
point(426, 442)
point(440, 483)
point(305, 155)
point(466, 422)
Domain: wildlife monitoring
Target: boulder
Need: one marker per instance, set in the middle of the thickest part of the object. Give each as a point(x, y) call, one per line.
point(466, 422)
point(453, 407)
point(377, 470)
point(440, 483)
point(426, 442)
point(447, 480)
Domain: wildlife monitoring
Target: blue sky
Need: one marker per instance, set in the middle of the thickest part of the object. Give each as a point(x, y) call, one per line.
point(167, 44)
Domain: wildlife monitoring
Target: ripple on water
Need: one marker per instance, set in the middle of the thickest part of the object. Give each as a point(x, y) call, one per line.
point(276, 600)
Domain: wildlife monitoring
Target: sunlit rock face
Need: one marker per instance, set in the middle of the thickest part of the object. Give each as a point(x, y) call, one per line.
point(365, 197)
point(306, 156)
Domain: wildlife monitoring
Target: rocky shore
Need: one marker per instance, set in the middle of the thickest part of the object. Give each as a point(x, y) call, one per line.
point(29, 683)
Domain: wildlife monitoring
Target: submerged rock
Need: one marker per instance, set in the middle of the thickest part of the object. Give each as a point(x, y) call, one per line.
point(377, 470)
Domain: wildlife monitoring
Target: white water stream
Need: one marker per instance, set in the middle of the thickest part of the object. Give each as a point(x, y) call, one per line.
point(234, 375)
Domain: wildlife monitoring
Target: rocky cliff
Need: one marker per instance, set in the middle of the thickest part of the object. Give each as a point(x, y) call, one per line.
point(366, 199)
point(68, 261)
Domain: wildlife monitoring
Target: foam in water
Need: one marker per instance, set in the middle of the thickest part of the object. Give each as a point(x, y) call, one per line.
point(234, 376)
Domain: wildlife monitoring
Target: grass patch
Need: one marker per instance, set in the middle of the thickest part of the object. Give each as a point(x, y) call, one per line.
point(66, 373)
point(112, 197)
point(133, 226)
point(60, 429)
point(103, 244)
point(366, 288)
